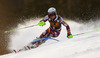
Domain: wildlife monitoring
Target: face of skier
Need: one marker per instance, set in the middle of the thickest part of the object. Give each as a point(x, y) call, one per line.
point(52, 16)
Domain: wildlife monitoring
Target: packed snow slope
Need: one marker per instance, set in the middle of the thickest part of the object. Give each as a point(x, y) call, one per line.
point(82, 46)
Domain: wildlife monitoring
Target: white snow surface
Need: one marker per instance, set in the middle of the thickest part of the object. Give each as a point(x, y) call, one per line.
point(82, 46)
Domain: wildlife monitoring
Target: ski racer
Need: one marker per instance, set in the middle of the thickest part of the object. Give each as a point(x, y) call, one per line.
point(55, 26)
point(53, 31)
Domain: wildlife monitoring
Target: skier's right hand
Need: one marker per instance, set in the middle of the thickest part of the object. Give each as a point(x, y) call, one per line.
point(41, 23)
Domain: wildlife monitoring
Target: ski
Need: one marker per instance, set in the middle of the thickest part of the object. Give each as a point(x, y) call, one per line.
point(23, 49)
point(31, 45)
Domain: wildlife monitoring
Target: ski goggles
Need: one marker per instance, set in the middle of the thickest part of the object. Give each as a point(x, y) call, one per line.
point(51, 14)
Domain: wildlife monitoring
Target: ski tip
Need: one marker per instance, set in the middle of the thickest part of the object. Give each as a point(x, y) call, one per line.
point(16, 51)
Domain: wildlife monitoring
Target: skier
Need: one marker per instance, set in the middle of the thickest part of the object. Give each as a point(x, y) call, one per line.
point(54, 29)
point(55, 26)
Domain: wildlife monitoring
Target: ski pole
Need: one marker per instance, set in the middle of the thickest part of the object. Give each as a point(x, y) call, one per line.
point(20, 28)
point(86, 32)
point(39, 24)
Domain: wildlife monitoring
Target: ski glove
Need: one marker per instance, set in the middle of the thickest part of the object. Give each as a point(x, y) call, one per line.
point(41, 23)
point(69, 35)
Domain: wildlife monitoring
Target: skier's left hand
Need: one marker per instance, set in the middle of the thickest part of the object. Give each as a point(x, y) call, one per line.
point(69, 35)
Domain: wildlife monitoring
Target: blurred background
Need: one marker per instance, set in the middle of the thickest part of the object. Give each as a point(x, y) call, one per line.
point(13, 12)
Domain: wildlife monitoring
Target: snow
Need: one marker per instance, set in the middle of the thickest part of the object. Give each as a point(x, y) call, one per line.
point(82, 46)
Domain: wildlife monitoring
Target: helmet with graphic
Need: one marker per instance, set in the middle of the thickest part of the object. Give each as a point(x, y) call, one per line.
point(51, 11)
